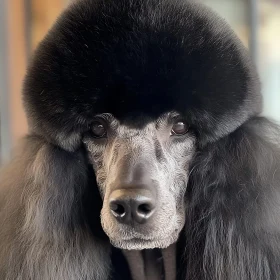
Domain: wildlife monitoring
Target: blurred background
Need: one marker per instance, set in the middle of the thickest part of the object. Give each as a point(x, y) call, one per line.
point(23, 23)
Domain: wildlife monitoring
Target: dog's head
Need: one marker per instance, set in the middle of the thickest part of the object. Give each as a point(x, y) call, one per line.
point(142, 173)
point(142, 85)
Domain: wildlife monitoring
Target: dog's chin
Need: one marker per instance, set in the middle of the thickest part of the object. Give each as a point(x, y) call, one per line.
point(142, 244)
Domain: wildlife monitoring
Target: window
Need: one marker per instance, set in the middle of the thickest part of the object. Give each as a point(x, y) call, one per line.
point(257, 23)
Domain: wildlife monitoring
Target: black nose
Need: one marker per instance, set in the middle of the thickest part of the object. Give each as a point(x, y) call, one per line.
point(132, 205)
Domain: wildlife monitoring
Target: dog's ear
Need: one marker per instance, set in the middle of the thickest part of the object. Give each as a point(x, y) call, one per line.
point(49, 238)
point(233, 220)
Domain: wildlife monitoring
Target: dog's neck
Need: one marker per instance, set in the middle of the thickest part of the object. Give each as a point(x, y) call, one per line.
point(155, 264)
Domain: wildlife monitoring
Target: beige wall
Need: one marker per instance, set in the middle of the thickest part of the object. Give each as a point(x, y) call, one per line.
point(16, 66)
point(43, 14)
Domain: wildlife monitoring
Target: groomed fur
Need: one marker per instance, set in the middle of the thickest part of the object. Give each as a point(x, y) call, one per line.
point(135, 58)
point(233, 224)
point(44, 232)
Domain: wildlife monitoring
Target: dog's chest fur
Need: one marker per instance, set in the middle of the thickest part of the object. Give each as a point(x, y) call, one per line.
point(153, 264)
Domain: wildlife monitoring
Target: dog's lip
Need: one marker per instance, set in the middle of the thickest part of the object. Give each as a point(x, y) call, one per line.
point(141, 244)
point(142, 239)
point(137, 239)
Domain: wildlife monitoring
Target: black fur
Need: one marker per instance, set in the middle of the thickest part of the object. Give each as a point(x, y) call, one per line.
point(149, 57)
point(142, 58)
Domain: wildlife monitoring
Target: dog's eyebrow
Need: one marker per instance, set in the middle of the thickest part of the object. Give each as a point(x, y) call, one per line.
point(173, 115)
point(168, 118)
point(106, 116)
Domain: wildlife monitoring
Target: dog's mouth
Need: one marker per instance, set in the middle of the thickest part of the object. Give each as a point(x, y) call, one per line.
point(136, 243)
point(140, 237)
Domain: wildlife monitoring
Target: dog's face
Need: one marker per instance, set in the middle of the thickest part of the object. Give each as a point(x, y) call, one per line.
point(142, 174)
point(140, 61)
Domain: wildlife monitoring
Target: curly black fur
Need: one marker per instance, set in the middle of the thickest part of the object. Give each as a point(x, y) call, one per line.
point(142, 58)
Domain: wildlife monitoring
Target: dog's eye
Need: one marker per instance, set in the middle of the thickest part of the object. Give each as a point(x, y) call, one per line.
point(98, 129)
point(179, 128)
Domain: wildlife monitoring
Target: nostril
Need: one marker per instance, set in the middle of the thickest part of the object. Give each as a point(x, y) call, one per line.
point(143, 212)
point(117, 209)
point(144, 209)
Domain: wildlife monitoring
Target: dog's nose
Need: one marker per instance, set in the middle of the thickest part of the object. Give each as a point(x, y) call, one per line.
point(135, 205)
